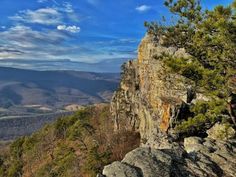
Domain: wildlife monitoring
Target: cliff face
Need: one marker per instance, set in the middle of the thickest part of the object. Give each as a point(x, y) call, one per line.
point(150, 98)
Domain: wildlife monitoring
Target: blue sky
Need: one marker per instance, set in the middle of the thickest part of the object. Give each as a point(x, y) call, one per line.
point(79, 30)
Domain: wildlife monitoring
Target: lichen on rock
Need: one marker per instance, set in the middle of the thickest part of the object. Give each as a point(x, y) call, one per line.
point(223, 131)
point(151, 99)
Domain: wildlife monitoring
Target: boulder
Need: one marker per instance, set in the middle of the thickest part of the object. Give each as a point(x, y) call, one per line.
point(148, 162)
point(221, 131)
point(152, 162)
point(193, 144)
point(118, 169)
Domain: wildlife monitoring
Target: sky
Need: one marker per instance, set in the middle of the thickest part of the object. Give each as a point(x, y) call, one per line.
point(78, 30)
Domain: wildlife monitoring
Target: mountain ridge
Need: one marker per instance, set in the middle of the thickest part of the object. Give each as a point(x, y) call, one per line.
point(16, 85)
point(104, 66)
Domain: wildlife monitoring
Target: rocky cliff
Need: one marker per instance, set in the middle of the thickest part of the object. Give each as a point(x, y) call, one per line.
point(151, 100)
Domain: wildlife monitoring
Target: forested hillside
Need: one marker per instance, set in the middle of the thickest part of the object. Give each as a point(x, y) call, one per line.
point(77, 145)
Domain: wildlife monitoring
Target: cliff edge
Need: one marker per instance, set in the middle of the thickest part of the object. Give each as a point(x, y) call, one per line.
point(152, 100)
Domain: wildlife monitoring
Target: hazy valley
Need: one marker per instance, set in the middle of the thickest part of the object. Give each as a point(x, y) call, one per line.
point(29, 99)
point(103, 66)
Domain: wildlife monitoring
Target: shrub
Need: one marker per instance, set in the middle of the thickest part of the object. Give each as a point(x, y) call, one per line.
point(206, 113)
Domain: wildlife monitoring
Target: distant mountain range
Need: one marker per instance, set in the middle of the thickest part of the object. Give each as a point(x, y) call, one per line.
point(105, 66)
point(54, 88)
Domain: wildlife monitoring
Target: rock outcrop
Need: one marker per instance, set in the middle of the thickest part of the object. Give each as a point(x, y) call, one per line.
point(206, 157)
point(151, 100)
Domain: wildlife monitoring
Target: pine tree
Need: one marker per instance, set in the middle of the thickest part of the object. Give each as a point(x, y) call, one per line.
point(209, 36)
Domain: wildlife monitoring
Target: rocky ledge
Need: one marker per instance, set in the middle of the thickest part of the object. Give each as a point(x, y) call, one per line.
point(151, 100)
point(198, 157)
point(213, 156)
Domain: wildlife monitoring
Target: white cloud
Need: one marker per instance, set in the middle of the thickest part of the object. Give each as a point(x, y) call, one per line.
point(68, 11)
point(68, 7)
point(72, 29)
point(24, 42)
point(143, 8)
point(45, 16)
point(53, 15)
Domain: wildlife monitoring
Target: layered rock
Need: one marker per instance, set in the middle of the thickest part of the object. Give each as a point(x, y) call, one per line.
point(150, 98)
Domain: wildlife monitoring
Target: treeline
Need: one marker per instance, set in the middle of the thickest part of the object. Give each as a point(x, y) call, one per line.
point(17, 126)
point(77, 145)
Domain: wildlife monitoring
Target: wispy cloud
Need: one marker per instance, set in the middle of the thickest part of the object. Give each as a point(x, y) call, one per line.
point(25, 42)
point(22, 42)
point(45, 16)
point(143, 8)
point(54, 15)
point(44, 1)
point(9, 52)
point(72, 29)
point(67, 9)
point(93, 2)
point(49, 32)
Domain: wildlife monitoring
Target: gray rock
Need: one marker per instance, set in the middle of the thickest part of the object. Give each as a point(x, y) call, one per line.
point(193, 144)
point(152, 162)
point(118, 169)
point(148, 162)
